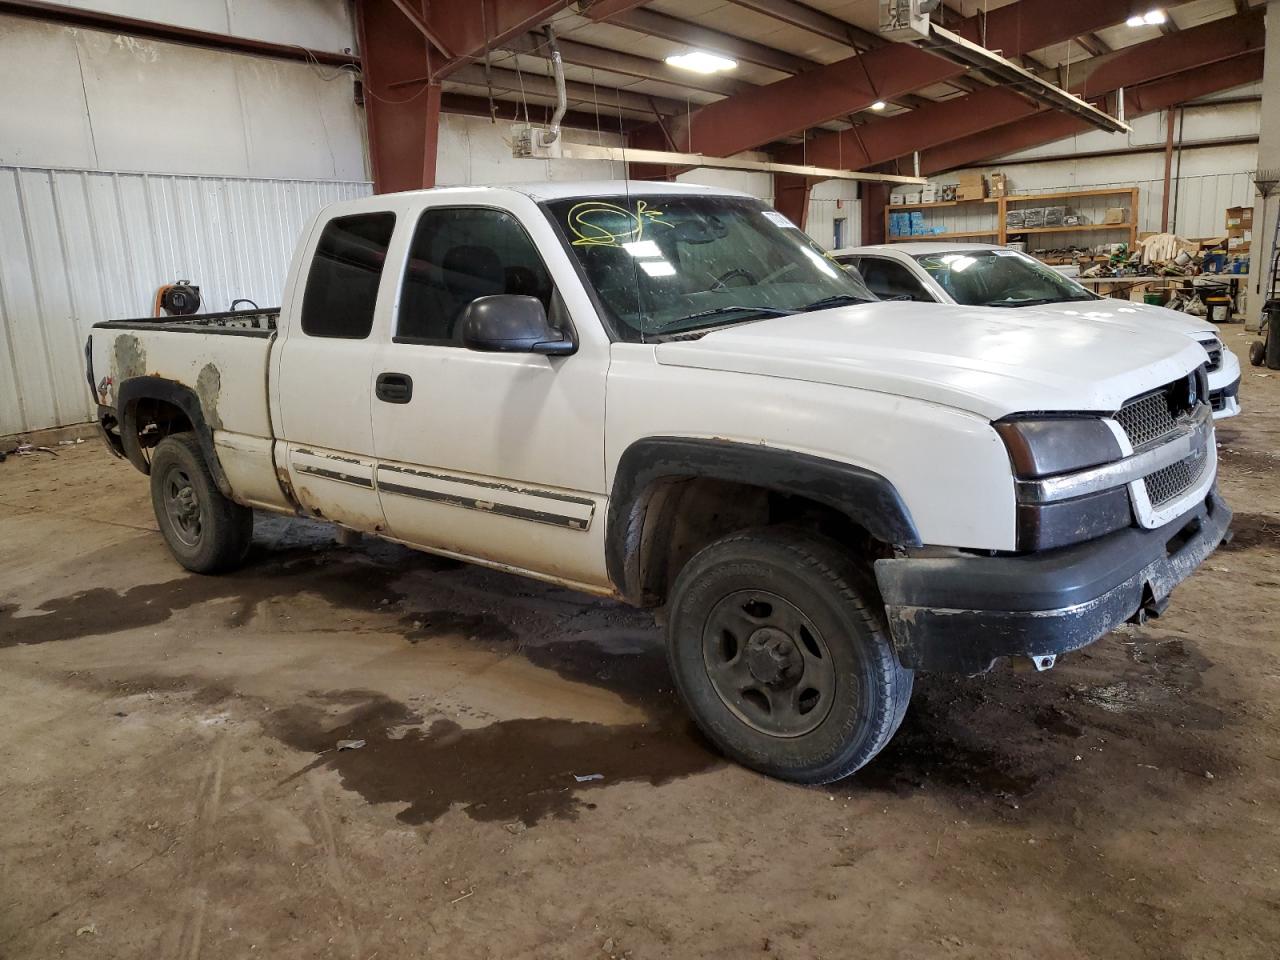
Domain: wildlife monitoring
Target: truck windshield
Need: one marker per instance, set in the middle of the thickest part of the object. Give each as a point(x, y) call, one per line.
point(670, 265)
point(1000, 278)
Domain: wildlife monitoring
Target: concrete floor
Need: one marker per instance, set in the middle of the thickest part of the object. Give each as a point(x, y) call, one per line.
point(171, 786)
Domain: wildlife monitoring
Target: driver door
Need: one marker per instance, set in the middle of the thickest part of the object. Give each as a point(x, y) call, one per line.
point(490, 456)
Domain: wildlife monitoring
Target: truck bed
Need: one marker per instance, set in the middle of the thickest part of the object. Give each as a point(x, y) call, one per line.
point(235, 323)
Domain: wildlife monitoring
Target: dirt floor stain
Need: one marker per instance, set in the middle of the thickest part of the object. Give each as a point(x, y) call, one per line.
point(344, 580)
point(511, 770)
point(481, 627)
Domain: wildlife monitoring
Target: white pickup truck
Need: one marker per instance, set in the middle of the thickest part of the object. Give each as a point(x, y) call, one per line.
point(669, 395)
point(979, 274)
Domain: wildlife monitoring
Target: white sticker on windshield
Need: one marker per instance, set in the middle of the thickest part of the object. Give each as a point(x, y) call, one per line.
point(778, 220)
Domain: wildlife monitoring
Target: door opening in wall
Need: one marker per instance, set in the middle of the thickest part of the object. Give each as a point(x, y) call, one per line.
point(837, 233)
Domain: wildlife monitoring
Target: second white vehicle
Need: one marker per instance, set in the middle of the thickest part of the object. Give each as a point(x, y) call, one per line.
point(981, 275)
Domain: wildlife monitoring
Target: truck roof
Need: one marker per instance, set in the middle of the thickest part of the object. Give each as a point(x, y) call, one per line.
point(916, 248)
point(565, 189)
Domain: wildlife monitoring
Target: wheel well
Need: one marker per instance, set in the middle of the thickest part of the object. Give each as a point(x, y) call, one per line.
point(150, 420)
point(683, 515)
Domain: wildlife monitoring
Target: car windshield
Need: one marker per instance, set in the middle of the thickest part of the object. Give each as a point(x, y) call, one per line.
point(1000, 278)
point(673, 265)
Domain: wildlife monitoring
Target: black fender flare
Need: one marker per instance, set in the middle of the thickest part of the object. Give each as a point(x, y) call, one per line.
point(136, 389)
point(865, 497)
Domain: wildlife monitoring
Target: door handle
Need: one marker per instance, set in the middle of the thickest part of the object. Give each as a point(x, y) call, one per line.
point(394, 387)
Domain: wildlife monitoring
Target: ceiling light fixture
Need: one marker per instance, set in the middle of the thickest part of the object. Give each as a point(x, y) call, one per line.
point(879, 105)
point(1151, 18)
point(699, 61)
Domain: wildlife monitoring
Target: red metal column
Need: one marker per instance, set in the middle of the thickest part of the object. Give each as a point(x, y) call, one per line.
point(400, 119)
point(791, 196)
point(875, 197)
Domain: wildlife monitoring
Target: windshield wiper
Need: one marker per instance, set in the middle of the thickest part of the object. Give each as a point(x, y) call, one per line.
point(839, 299)
point(1030, 302)
point(720, 311)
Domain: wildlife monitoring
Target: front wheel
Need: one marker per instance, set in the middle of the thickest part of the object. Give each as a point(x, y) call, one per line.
point(780, 651)
point(206, 532)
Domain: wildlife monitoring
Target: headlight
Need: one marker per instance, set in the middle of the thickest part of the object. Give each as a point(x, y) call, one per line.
point(1046, 447)
point(1041, 448)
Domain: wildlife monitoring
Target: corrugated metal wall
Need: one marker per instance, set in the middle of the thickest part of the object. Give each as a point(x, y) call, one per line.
point(79, 246)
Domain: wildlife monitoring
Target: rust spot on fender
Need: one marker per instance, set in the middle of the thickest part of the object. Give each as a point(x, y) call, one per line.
point(282, 477)
point(208, 390)
point(128, 358)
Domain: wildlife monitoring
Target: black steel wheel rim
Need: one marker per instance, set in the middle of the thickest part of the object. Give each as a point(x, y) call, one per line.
point(768, 663)
point(182, 506)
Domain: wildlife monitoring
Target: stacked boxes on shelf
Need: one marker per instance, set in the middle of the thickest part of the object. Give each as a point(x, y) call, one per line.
point(1239, 229)
point(910, 224)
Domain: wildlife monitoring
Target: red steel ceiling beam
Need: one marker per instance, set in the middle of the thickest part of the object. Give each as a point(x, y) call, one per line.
point(1049, 126)
point(1173, 53)
point(1018, 28)
point(605, 9)
point(805, 100)
point(881, 140)
point(470, 27)
point(937, 123)
point(828, 92)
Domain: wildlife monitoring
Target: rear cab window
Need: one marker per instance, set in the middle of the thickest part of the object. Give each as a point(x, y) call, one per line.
point(342, 282)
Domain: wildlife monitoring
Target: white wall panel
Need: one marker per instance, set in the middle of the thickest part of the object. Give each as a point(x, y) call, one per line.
point(474, 151)
point(317, 24)
point(77, 247)
point(829, 201)
point(88, 99)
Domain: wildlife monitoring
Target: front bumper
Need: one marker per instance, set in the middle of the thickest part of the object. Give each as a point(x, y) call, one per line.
point(958, 614)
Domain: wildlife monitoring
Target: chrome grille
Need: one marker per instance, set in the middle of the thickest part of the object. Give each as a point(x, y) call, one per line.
point(1148, 418)
point(1169, 483)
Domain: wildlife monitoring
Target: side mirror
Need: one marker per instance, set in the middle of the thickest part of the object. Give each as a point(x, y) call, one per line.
point(509, 323)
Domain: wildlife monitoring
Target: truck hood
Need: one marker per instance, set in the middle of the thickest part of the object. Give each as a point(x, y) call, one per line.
point(992, 362)
point(1123, 313)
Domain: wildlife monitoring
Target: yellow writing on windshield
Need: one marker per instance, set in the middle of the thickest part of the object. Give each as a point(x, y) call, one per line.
point(597, 223)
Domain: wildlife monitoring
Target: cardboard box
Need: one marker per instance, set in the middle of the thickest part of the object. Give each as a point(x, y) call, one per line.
point(929, 193)
point(1116, 215)
point(897, 199)
point(913, 197)
point(1033, 217)
point(999, 185)
point(1239, 218)
point(971, 187)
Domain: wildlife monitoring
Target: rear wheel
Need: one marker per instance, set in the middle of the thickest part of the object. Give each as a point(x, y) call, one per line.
point(780, 651)
point(206, 532)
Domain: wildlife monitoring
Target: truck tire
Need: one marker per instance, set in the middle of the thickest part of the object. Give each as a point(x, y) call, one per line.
point(780, 651)
point(206, 532)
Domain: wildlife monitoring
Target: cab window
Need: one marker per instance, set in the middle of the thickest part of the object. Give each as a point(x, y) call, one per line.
point(457, 255)
point(342, 284)
point(890, 280)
